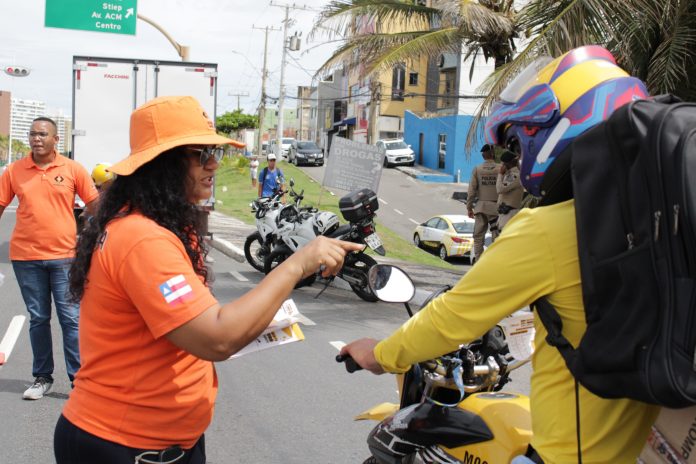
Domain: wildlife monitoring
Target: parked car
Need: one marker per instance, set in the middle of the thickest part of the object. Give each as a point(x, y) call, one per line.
point(450, 234)
point(397, 152)
point(306, 152)
point(285, 144)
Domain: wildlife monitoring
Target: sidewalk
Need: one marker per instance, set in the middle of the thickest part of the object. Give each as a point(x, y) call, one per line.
point(230, 233)
point(423, 174)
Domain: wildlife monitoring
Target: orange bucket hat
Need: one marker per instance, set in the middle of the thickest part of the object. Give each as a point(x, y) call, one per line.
point(164, 123)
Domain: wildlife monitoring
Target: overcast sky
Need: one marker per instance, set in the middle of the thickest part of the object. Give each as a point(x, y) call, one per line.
point(213, 29)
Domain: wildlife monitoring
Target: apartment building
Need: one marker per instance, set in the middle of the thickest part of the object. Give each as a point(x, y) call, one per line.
point(5, 104)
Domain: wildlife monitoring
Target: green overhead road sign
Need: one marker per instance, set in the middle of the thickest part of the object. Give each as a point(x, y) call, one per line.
point(115, 16)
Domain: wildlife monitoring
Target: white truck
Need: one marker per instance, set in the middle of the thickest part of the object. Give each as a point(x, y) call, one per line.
point(107, 90)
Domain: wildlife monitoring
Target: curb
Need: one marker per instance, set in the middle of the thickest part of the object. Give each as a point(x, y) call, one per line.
point(228, 249)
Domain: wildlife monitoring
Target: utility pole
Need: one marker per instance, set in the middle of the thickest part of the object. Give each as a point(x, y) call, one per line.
point(264, 74)
point(245, 94)
point(293, 46)
point(375, 97)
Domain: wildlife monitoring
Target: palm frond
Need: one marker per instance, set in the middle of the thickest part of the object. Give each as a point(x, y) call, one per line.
point(556, 27)
point(339, 16)
point(374, 53)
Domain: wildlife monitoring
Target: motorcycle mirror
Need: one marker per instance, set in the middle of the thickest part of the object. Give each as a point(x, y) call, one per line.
point(390, 284)
point(292, 182)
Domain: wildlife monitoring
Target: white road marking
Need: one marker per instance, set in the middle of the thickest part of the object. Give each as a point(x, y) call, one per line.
point(414, 221)
point(11, 336)
point(238, 276)
point(398, 212)
point(338, 344)
point(383, 201)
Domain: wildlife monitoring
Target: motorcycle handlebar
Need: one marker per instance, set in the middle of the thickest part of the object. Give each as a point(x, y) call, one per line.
point(351, 365)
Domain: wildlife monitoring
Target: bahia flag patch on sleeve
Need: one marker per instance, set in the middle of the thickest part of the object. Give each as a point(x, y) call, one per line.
point(176, 290)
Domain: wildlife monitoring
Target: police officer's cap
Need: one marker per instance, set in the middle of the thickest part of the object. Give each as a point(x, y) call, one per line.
point(508, 156)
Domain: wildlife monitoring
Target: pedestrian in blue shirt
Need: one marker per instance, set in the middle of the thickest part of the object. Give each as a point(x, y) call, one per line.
point(270, 178)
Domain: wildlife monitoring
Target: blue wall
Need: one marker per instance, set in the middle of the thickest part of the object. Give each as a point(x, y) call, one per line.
point(456, 158)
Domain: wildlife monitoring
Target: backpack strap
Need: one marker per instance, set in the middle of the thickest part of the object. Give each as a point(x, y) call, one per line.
point(554, 326)
point(264, 171)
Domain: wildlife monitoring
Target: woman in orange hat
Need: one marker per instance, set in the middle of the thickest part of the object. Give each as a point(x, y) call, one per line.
point(150, 328)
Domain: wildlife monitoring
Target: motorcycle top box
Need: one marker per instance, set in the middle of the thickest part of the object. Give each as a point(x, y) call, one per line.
point(358, 205)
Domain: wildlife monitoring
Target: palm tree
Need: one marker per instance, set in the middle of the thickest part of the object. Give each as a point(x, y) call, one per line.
point(655, 41)
point(420, 30)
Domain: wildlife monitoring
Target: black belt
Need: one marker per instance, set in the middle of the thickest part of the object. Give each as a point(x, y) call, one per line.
point(171, 455)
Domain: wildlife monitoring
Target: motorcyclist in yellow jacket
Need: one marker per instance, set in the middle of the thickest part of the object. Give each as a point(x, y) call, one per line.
point(550, 103)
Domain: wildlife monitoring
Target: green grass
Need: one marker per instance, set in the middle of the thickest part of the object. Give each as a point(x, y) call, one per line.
point(234, 190)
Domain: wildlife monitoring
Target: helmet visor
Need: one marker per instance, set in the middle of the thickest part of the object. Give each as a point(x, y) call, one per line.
point(525, 80)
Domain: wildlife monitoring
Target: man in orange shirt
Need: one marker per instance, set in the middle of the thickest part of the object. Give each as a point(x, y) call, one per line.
point(150, 327)
point(42, 245)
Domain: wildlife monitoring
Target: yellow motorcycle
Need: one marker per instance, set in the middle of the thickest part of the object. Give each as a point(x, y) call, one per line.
point(451, 408)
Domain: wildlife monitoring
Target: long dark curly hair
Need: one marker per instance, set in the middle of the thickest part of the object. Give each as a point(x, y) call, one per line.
point(157, 190)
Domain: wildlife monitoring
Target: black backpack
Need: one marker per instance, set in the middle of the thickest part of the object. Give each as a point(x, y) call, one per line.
point(634, 184)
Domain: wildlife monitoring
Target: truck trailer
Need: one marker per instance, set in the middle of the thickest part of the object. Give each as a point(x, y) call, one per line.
point(107, 90)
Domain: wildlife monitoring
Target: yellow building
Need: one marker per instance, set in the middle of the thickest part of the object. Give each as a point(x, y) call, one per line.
point(384, 98)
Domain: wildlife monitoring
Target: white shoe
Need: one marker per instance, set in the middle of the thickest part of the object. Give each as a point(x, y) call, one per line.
point(38, 389)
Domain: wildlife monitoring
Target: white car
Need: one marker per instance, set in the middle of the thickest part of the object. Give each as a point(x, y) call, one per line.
point(397, 152)
point(285, 144)
point(450, 234)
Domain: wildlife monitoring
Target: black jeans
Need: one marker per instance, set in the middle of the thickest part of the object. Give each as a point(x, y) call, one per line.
point(72, 445)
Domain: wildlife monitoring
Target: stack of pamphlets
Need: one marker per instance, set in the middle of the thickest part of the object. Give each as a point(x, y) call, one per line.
point(283, 329)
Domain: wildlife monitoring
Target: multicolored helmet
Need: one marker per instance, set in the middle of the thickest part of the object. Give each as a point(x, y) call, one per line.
point(100, 175)
point(555, 100)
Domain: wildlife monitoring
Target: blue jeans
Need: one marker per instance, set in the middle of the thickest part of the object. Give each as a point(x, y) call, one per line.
point(38, 280)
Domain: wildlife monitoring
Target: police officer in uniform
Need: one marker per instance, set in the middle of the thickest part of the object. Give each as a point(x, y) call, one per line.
point(482, 199)
point(509, 189)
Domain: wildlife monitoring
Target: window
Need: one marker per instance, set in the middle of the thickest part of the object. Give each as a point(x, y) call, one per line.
point(413, 78)
point(396, 145)
point(464, 227)
point(432, 222)
point(449, 88)
point(398, 82)
point(441, 150)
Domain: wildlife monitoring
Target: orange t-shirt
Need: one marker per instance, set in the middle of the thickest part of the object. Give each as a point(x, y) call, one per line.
point(135, 387)
point(45, 226)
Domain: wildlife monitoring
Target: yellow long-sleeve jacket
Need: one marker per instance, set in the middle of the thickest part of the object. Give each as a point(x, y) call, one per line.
point(536, 255)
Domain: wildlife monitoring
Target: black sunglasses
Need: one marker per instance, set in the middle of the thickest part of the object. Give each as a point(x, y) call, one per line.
point(208, 153)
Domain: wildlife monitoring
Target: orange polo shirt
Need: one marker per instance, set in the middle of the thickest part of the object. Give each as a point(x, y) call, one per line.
point(135, 387)
point(45, 226)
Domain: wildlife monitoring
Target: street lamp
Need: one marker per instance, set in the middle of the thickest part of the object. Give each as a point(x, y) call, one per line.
point(14, 71)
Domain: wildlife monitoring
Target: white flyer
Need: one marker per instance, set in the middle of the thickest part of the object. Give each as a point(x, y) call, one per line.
point(519, 333)
point(287, 315)
point(283, 329)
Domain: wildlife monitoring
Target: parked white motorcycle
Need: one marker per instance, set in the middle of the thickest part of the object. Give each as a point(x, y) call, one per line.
point(296, 231)
point(258, 245)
